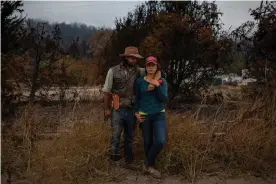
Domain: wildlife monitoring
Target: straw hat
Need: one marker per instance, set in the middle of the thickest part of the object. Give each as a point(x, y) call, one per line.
point(131, 51)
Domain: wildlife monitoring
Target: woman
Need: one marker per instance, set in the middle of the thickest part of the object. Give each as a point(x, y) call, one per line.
point(150, 111)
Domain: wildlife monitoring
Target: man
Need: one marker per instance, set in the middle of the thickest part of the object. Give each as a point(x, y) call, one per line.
point(118, 88)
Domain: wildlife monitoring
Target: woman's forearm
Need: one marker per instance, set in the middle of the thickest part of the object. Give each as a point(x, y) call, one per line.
point(162, 93)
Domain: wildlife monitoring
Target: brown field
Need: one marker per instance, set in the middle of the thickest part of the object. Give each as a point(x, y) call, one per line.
point(69, 145)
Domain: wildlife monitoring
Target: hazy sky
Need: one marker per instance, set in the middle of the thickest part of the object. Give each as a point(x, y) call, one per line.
point(103, 13)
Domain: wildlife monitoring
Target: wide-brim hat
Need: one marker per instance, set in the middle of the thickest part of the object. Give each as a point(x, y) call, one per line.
point(131, 52)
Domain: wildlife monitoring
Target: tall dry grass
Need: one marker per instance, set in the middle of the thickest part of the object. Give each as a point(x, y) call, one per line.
point(243, 141)
point(235, 141)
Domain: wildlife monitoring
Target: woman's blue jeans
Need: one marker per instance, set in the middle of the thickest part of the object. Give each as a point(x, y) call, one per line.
point(154, 133)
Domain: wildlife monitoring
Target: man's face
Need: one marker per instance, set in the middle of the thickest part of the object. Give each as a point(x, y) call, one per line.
point(131, 61)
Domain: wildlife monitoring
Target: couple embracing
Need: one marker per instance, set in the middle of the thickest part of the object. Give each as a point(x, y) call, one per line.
point(136, 95)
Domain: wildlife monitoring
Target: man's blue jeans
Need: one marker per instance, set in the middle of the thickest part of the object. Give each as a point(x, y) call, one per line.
point(154, 133)
point(122, 119)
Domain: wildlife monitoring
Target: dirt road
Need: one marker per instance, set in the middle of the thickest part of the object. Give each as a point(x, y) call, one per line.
point(130, 177)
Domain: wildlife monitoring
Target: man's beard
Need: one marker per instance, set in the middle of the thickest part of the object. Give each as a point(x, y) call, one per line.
point(129, 64)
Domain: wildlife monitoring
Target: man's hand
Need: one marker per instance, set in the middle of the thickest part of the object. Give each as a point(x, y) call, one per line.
point(155, 82)
point(158, 75)
point(139, 117)
point(107, 114)
point(107, 106)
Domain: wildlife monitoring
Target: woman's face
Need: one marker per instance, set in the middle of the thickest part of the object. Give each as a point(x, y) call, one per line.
point(151, 68)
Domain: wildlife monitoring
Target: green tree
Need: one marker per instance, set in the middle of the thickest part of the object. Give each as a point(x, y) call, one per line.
point(11, 36)
point(11, 26)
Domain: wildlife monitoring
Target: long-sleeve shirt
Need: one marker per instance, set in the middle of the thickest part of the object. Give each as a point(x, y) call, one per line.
point(150, 102)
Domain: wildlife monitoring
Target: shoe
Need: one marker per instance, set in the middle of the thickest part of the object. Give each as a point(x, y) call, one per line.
point(154, 173)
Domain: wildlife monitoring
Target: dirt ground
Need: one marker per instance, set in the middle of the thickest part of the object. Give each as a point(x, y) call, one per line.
point(130, 177)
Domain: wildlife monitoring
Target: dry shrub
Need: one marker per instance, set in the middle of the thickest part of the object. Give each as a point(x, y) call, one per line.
point(76, 157)
point(247, 143)
point(185, 150)
point(18, 145)
point(251, 140)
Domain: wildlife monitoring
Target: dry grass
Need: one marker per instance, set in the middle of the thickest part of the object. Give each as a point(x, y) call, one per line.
point(244, 141)
point(240, 141)
point(75, 157)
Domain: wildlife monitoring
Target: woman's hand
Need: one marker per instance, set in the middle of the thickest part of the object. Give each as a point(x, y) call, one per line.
point(155, 82)
point(139, 117)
